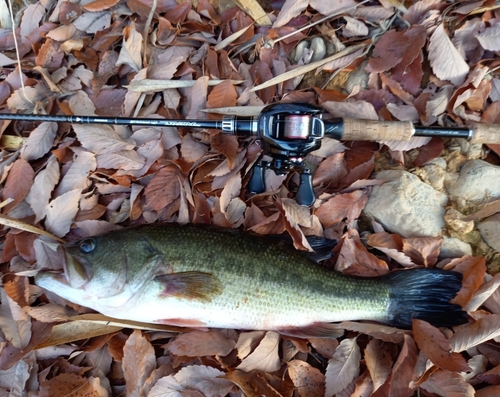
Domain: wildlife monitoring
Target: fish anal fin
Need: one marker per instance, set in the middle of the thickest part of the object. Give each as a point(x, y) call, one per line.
point(190, 285)
point(183, 322)
point(314, 330)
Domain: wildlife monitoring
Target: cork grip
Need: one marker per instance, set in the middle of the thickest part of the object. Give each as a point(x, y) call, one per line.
point(374, 130)
point(485, 133)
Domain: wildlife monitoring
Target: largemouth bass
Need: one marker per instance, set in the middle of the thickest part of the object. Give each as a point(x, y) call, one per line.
point(206, 277)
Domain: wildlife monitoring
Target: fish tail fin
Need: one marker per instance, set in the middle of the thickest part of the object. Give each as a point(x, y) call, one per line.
point(425, 294)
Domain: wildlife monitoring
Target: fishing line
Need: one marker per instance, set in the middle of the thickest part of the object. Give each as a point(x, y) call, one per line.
point(16, 45)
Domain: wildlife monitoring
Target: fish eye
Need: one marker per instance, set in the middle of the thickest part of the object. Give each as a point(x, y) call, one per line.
point(88, 245)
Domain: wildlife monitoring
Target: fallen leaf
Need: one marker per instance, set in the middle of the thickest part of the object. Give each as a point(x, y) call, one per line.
point(290, 10)
point(423, 251)
point(490, 38)
point(41, 190)
point(446, 61)
point(448, 384)
point(61, 212)
point(354, 258)
point(18, 183)
point(437, 347)
point(402, 371)
point(139, 361)
point(343, 367)
point(39, 141)
point(265, 356)
point(77, 176)
point(342, 206)
point(470, 335)
point(204, 379)
point(379, 362)
point(163, 188)
point(309, 381)
point(15, 323)
point(100, 138)
point(201, 343)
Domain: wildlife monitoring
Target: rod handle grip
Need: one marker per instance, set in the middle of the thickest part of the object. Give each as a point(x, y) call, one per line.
point(485, 133)
point(375, 130)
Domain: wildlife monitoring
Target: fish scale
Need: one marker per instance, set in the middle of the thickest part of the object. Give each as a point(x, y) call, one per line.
point(210, 277)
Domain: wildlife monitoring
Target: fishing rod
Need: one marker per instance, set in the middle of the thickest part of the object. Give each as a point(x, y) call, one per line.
point(288, 132)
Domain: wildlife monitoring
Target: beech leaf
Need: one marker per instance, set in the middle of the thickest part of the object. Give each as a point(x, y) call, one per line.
point(290, 9)
point(437, 347)
point(265, 357)
point(470, 335)
point(446, 61)
point(100, 138)
point(379, 362)
point(201, 343)
point(309, 381)
point(61, 212)
point(204, 379)
point(39, 142)
point(448, 384)
point(76, 176)
point(40, 192)
point(343, 367)
point(18, 183)
point(15, 323)
point(139, 361)
point(490, 38)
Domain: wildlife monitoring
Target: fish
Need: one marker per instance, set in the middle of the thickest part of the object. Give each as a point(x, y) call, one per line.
point(207, 277)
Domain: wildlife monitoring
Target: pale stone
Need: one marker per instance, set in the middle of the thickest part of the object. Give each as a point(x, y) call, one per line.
point(478, 182)
point(490, 231)
point(407, 206)
point(454, 248)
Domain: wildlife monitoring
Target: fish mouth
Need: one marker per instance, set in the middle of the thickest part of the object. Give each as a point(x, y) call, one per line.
point(75, 270)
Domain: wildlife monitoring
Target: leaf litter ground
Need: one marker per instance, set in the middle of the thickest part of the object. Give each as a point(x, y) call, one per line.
point(430, 62)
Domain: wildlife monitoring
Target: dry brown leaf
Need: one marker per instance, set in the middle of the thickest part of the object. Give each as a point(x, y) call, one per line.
point(40, 192)
point(437, 347)
point(379, 362)
point(483, 293)
point(39, 142)
point(448, 384)
point(446, 61)
point(354, 258)
point(100, 5)
point(470, 335)
point(139, 361)
point(18, 183)
point(473, 269)
point(206, 380)
point(342, 206)
point(15, 323)
point(201, 343)
point(391, 245)
point(402, 371)
point(423, 251)
point(131, 51)
point(61, 212)
point(253, 384)
point(76, 177)
point(309, 381)
point(67, 384)
point(490, 38)
point(290, 10)
point(265, 356)
point(100, 138)
point(343, 367)
point(163, 189)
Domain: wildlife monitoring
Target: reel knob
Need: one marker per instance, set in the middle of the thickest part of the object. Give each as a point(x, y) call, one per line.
point(305, 193)
point(256, 183)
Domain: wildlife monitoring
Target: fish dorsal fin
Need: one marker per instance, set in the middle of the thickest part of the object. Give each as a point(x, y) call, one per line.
point(190, 285)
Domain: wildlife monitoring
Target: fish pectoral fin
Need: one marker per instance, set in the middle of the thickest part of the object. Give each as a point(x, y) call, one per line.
point(190, 285)
point(182, 322)
point(314, 330)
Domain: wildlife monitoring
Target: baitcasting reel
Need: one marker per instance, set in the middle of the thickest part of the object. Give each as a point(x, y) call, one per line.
point(287, 133)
